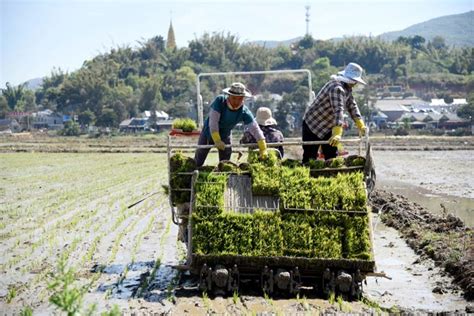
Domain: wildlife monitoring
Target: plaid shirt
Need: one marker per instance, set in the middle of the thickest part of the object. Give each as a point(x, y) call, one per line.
point(327, 109)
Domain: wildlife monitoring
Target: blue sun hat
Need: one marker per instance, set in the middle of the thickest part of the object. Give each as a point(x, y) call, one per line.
point(353, 72)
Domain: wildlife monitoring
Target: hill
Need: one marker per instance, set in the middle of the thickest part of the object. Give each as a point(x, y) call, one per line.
point(34, 84)
point(457, 30)
point(273, 44)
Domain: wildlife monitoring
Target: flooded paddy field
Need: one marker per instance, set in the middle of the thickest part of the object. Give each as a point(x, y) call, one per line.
point(81, 207)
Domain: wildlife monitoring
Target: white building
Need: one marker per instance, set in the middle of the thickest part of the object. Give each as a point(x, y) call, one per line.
point(160, 115)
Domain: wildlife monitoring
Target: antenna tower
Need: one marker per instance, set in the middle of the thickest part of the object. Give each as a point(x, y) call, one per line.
point(307, 7)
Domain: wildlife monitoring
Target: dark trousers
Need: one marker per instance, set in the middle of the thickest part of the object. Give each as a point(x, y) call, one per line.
point(311, 151)
point(201, 153)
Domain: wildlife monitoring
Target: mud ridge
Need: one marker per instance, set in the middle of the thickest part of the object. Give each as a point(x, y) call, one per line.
point(444, 239)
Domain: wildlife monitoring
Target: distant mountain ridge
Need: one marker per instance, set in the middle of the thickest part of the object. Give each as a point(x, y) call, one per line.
point(457, 30)
point(34, 84)
point(273, 44)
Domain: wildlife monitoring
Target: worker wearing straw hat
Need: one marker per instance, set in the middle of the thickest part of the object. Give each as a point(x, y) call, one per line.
point(227, 110)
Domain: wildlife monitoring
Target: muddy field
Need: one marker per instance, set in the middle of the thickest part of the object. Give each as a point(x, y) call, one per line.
point(82, 207)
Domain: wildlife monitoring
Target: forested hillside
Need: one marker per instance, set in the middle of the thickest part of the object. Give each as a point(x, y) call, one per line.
point(457, 30)
point(125, 81)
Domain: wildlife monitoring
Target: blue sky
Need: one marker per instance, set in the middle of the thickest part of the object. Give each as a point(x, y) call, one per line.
point(37, 35)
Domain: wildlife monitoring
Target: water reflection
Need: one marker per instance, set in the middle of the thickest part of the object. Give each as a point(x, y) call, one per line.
point(435, 203)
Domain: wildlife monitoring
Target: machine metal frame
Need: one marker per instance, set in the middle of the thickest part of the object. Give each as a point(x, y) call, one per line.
point(223, 273)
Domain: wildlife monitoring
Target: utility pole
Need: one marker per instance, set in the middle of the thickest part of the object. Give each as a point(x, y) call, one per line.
point(307, 7)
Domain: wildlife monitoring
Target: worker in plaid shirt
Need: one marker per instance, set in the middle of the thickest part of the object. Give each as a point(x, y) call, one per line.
point(323, 119)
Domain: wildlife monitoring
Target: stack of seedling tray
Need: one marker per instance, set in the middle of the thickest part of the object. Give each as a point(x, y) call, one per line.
point(322, 219)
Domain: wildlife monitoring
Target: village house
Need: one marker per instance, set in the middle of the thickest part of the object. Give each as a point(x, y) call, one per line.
point(423, 120)
point(393, 109)
point(145, 122)
point(9, 125)
point(48, 119)
point(434, 114)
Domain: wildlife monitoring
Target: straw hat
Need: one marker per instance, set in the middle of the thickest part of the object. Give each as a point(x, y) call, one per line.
point(238, 89)
point(264, 117)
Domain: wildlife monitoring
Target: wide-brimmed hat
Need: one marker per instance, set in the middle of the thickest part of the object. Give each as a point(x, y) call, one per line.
point(353, 72)
point(238, 89)
point(264, 117)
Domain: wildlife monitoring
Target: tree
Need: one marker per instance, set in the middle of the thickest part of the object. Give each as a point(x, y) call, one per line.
point(282, 112)
point(322, 70)
point(306, 42)
point(406, 123)
point(415, 42)
point(177, 58)
point(252, 57)
point(439, 43)
point(281, 57)
point(13, 95)
point(71, 128)
point(150, 96)
point(47, 94)
point(128, 80)
point(3, 107)
point(152, 48)
point(466, 111)
point(121, 99)
point(215, 50)
point(28, 101)
point(180, 109)
point(86, 118)
point(107, 118)
point(86, 89)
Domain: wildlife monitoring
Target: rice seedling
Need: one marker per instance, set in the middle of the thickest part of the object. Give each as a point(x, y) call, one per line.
point(206, 301)
point(268, 299)
point(343, 306)
point(185, 124)
point(27, 311)
point(55, 220)
point(235, 297)
point(115, 311)
point(170, 288)
point(11, 294)
point(332, 298)
point(157, 263)
point(372, 304)
point(303, 302)
point(66, 296)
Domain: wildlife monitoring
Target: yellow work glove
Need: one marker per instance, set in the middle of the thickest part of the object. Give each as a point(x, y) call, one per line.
point(361, 126)
point(336, 136)
point(262, 146)
point(218, 141)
